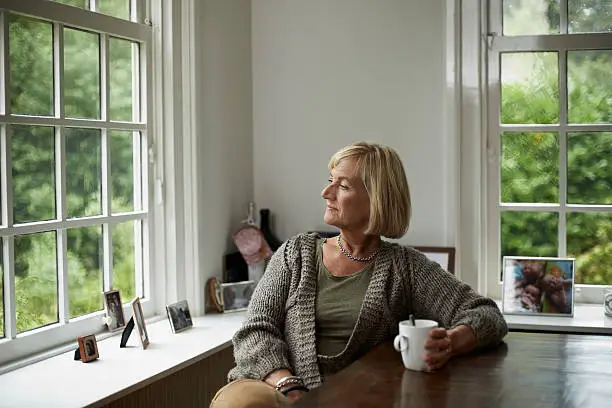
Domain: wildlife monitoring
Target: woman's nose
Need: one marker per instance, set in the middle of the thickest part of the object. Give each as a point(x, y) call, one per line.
point(326, 193)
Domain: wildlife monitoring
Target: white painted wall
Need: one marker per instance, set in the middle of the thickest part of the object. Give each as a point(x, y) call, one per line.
point(326, 73)
point(223, 110)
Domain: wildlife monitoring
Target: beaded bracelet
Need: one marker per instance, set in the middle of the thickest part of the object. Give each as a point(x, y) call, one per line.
point(294, 388)
point(292, 379)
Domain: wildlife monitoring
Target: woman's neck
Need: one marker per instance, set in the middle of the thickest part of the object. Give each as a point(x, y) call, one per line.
point(359, 244)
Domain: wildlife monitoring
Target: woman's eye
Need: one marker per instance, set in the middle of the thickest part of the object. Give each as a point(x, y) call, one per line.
point(344, 187)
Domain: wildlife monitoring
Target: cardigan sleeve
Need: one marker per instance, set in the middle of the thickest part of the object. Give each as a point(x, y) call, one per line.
point(438, 295)
point(259, 345)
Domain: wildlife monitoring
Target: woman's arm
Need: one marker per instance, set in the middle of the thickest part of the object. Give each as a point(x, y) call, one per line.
point(438, 295)
point(259, 345)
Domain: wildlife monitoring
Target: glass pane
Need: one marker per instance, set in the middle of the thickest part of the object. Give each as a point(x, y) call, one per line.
point(84, 4)
point(31, 59)
point(589, 178)
point(33, 161)
point(589, 240)
point(85, 270)
point(124, 266)
point(84, 172)
point(590, 16)
point(1, 293)
point(35, 280)
point(529, 168)
point(122, 170)
point(529, 88)
point(589, 86)
point(528, 233)
point(531, 17)
point(121, 92)
point(115, 8)
point(81, 74)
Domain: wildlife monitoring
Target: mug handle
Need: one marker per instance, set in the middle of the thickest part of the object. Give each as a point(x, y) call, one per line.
point(397, 343)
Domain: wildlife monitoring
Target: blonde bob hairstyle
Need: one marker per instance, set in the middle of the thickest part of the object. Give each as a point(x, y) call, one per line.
point(382, 173)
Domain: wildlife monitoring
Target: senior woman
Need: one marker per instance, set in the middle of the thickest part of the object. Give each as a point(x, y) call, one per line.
point(323, 303)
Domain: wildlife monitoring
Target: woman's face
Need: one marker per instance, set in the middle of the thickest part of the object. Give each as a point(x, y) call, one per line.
point(348, 203)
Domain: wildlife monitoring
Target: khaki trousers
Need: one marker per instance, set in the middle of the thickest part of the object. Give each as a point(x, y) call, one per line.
point(249, 394)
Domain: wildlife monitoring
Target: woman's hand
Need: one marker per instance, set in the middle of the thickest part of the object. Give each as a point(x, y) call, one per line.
point(295, 395)
point(444, 344)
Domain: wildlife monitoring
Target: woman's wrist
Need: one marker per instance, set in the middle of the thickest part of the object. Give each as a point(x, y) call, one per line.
point(463, 339)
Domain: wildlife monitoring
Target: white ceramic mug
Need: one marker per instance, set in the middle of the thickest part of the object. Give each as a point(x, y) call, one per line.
point(411, 342)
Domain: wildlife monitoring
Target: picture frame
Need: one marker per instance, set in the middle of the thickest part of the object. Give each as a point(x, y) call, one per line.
point(139, 322)
point(237, 295)
point(542, 286)
point(444, 256)
point(88, 348)
point(113, 307)
point(179, 316)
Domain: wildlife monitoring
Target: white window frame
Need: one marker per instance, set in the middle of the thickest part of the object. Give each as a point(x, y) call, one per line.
point(493, 43)
point(19, 346)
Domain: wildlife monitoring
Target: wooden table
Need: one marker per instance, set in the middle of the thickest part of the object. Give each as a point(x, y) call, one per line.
point(527, 370)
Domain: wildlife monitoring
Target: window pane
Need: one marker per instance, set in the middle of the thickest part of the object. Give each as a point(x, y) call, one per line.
point(1, 292)
point(530, 168)
point(528, 233)
point(122, 170)
point(83, 172)
point(121, 92)
point(35, 280)
point(529, 88)
point(115, 8)
point(124, 266)
point(31, 59)
point(589, 240)
point(589, 86)
point(85, 270)
point(589, 177)
point(531, 17)
point(81, 74)
point(586, 16)
point(33, 162)
point(84, 4)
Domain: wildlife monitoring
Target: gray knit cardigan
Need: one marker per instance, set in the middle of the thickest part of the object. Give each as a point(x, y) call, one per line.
point(279, 330)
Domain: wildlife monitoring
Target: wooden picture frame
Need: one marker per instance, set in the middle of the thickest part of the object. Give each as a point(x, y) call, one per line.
point(444, 256)
point(88, 348)
point(139, 322)
point(237, 295)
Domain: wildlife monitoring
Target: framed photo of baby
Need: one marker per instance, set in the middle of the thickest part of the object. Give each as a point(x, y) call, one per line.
point(538, 285)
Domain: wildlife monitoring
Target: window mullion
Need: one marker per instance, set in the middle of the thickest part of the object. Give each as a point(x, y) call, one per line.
point(58, 70)
point(563, 19)
point(5, 72)
point(106, 162)
point(7, 243)
point(493, 174)
point(562, 230)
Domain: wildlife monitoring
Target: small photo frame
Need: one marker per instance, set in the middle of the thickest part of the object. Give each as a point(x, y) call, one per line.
point(444, 256)
point(139, 322)
point(538, 286)
point(237, 295)
point(179, 316)
point(114, 310)
point(88, 348)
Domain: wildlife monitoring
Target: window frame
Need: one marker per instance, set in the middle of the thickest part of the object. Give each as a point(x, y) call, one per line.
point(16, 347)
point(494, 45)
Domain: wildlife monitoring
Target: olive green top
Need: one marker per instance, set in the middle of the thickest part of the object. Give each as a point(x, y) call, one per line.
point(339, 300)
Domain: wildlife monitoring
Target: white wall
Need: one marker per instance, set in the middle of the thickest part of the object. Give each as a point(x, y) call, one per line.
point(326, 73)
point(224, 126)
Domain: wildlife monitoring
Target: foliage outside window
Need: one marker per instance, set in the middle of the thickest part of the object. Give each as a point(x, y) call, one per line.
point(73, 135)
point(551, 113)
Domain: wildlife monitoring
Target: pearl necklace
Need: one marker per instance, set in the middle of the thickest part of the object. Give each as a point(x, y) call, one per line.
point(354, 258)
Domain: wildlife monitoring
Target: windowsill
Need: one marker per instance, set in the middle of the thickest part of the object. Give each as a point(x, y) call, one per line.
point(62, 382)
point(588, 318)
